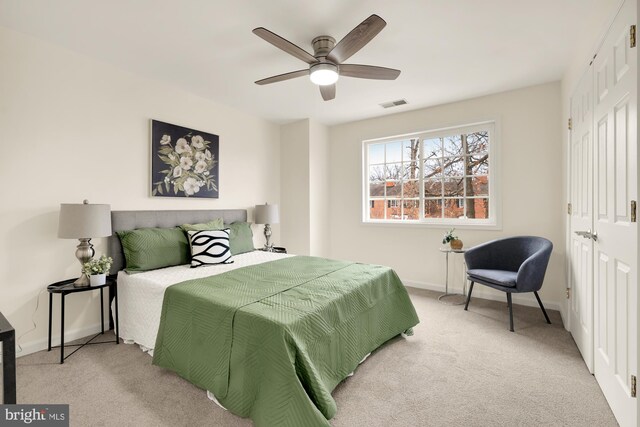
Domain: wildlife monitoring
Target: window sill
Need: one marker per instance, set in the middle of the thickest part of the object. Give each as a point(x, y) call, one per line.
point(434, 225)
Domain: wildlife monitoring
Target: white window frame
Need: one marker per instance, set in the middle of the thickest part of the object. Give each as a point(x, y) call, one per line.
point(495, 207)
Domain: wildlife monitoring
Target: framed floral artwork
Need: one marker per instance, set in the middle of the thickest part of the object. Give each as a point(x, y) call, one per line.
point(184, 162)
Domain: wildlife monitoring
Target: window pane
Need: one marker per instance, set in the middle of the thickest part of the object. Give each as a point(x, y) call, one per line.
point(454, 187)
point(453, 166)
point(452, 145)
point(432, 148)
point(393, 171)
point(410, 150)
point(376, 209)
point(411, 189)
point(432, 187)
point(478, 142)
point(394, 209)
point(479, 164)
point(477, 186)
point(376, 189)
point(478, 208)
point(394, 152)
point(432, 168)
point(454, 208)
point(411, 209)
point(410, 170)
point(433, 208)
point(376, 154)
point(393, 189)
point(376, 173)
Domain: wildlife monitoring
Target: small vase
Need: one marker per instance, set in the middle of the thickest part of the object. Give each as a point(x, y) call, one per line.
point(98, 279)
point(456, 244)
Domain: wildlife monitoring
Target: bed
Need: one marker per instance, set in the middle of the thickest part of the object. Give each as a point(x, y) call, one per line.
point(269, 336)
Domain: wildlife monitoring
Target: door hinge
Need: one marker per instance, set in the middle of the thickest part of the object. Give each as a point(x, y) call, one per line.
point(569, 208)
point(570, 124)
point(633, 386)
point(633, 211)
point(632, 36)
point(568, 293)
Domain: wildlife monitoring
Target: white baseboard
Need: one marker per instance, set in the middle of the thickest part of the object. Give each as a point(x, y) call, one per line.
point(41, 344)
point(526, 299)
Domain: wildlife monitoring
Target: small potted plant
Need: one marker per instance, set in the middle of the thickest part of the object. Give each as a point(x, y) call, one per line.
point(97, 270)
point(452, 240)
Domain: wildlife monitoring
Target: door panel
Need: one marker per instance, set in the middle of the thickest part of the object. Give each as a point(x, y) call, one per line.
point(581, 254)
point(601, 160)
point(615, 275)
point(605, 294)
point(621, 141)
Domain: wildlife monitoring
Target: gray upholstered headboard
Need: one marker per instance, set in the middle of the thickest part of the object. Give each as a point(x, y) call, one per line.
point(130, 220)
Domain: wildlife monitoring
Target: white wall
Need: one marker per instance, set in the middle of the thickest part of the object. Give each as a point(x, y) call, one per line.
point(305, 188)
point(74, 128)
point(294, 178)
point(530, 181)
point(319, 197)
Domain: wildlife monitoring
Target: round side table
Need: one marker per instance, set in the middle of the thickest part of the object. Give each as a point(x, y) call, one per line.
point(453, 298)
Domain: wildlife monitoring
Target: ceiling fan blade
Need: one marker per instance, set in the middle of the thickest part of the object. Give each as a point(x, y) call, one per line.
point(283, 77)
point(285, 45)
point(328, 92)
point(368, 72)
point(356, 39)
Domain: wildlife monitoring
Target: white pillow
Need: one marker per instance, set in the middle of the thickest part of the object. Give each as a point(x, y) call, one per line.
point(210, 247)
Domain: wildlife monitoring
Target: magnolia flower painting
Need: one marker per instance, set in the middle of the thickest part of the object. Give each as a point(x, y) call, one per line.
point(184, 162)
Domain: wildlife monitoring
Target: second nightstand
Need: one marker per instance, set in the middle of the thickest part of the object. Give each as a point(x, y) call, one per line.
point(66, 287)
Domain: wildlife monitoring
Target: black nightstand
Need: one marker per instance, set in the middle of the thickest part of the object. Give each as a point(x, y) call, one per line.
point(66, 287)
point(8, 339)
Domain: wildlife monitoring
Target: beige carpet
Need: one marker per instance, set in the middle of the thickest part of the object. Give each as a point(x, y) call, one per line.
point(460, 368)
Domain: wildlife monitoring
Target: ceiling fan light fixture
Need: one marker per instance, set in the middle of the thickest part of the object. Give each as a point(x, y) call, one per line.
point(323, 74)
point(326, 64)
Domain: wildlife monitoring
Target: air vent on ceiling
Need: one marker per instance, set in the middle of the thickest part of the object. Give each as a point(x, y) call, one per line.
point(393, 103)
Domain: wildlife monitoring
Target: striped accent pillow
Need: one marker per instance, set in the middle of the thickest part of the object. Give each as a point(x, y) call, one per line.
point(210, 247)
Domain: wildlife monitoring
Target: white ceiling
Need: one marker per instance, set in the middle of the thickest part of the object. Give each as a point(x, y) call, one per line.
point(447, 49)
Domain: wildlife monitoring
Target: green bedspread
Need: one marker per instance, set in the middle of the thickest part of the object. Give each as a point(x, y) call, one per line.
point(271, 341)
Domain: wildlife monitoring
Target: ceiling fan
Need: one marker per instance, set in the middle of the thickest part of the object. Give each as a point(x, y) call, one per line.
point(326, 63)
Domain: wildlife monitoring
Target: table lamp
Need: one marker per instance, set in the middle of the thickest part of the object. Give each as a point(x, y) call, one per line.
point(83, 222)
point(267, 214)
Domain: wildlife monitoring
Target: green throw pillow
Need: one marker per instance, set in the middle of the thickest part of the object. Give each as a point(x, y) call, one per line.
point(240, 237)
point(216, 224)
point(152, 248)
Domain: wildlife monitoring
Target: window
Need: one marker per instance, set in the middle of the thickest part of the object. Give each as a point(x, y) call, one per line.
point(435, 177)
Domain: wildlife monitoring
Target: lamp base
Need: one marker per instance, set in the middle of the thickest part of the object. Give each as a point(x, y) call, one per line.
point(84, 253)
point(82, 282)
point(268, 247)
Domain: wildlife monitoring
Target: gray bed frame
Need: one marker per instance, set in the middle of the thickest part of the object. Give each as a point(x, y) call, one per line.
point(130, 220)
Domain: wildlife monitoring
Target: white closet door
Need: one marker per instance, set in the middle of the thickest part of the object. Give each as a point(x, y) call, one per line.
point(615, 189)
point(581, 220)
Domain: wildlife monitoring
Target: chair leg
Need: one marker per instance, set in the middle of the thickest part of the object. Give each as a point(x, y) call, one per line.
point(466, 306)
point(542, 307)
point(510, 311)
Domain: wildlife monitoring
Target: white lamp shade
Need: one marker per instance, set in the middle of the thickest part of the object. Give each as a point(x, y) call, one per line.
point(82, 221)
point(267, 214)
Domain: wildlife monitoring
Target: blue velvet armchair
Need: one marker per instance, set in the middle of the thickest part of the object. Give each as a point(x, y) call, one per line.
point(511, 265)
